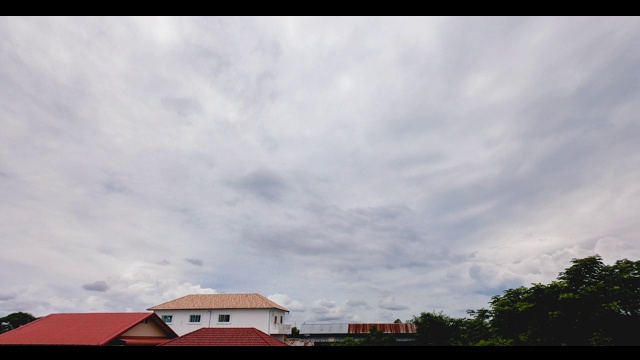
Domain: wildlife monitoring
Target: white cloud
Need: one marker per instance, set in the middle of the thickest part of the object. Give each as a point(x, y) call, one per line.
point(357, 169)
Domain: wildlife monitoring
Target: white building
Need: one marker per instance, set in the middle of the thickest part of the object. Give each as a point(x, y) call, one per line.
point(192, 312)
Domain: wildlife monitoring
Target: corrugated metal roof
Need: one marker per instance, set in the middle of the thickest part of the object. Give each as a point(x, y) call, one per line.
point(225, 337)
point(219, 301)
point(80, 329)
point(340, 328)
point(324, 328)
point(391, 328)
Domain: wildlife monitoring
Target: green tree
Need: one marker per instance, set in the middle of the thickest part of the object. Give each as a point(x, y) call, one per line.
point(434, 329)
point(377, 337)
point(348, 341)
point(590, 304)
point(527, 316)
point(476, 330)
point(16, 320)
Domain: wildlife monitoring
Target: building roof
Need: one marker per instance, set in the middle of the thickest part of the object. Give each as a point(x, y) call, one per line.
point(225, 337)
point(393, 328)
point(219, 301)
point(94, 329)
point(344, 328)
point(336, 328)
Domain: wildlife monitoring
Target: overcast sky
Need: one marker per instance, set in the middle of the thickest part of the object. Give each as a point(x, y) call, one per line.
point(353, 170)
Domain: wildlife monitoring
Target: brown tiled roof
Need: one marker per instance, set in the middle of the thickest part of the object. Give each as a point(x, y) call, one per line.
point(225, 337)
point(219, 301)
point(84, 329)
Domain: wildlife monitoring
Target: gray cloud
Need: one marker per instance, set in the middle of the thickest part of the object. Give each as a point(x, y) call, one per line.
point(5, 297)
point(193, 261)
point(182, 106)
point(263, 183)
point(381, 173)
point(391, 304)
point(99, 286)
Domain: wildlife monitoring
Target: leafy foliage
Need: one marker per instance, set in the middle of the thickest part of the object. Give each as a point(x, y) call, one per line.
point(434, 329)
point(377, 337)
point(589, 304)
point(16, 320)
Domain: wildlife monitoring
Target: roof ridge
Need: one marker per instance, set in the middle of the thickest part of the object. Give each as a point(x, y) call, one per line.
point(227, 301)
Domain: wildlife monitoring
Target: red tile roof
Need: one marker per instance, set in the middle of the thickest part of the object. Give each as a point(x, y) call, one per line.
point(219, 301)
point(85, 329)
point(225, 337)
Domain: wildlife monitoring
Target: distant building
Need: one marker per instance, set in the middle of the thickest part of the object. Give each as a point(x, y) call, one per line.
point(337, 332)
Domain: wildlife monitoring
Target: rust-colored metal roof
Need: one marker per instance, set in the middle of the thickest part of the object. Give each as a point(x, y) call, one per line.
point(225, 337)
point(81, 329)
point(392, 328)
point(219, 301)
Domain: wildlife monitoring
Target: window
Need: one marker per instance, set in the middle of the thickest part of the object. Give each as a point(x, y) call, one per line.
point(194, 319)
point(275, 319)
point(224, 318)
point(167, 318)
point(280, 319)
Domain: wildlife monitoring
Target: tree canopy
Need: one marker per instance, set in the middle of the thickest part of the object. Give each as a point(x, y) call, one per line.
point(590, 303)
point(15, 320)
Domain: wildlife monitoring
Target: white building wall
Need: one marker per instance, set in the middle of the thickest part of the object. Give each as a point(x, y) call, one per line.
point(261, 319)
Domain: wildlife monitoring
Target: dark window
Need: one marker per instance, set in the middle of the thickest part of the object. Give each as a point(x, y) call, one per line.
point(194, 318)
point(224, 318)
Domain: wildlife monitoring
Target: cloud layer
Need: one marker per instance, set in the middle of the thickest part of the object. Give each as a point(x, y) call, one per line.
point(352, 169)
